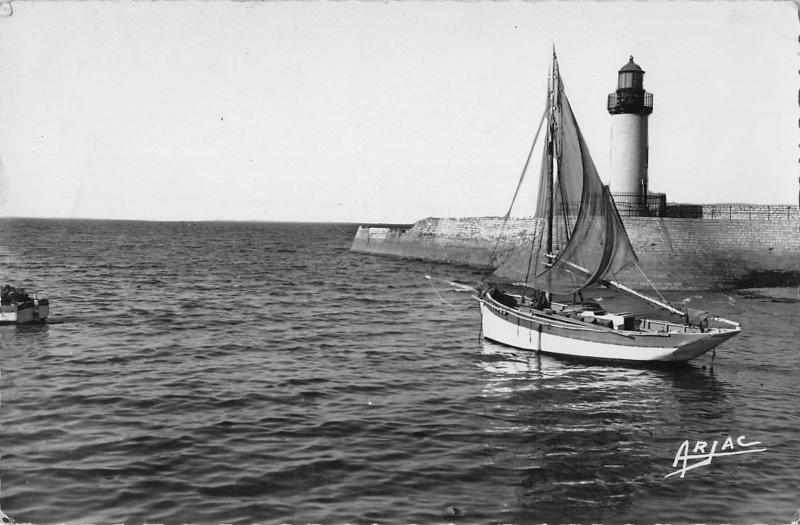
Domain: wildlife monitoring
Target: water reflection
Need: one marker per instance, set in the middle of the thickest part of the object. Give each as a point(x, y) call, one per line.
point(504, 363)
point(580, 439)
point(26, 337)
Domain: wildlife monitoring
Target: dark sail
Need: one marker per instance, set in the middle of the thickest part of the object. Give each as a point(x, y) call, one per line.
point(589, 241)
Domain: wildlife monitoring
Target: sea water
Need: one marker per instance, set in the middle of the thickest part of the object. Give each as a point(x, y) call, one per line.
point(262, 373)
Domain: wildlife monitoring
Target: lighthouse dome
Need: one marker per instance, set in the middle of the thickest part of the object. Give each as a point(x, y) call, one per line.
point(630, 66)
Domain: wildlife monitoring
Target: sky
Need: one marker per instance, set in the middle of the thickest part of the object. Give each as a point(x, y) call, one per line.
point(375, 111)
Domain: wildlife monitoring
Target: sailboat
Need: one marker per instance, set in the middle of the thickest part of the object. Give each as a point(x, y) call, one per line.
point(580, 242)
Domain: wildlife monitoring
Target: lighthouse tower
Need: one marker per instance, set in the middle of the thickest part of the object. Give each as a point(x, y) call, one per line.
point(629, 106)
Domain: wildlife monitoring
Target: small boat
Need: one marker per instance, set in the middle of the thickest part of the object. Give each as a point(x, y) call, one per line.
point(580, 242)
point(18, 307)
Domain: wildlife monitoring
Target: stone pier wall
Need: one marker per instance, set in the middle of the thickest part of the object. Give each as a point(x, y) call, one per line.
point(674, 253)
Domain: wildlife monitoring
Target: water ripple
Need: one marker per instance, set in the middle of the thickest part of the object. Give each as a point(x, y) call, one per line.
point(242, 373)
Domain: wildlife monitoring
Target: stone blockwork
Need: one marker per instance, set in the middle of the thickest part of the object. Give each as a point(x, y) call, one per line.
point(713, 253)
point(474, 241)
point(767, 212)
point(674, 253)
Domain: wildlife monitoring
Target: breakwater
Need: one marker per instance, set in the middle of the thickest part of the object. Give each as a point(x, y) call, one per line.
point(691, 247)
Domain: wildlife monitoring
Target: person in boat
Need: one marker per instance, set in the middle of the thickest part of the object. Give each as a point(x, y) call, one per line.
point(539, 300)
point(7, 294)
point(10, 295)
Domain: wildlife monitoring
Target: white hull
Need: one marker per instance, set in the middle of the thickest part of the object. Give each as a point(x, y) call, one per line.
point(521, 330)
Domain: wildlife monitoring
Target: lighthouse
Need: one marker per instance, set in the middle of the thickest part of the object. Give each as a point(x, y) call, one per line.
point(629, 106)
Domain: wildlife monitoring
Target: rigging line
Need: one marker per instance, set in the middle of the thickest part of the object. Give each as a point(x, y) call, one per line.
point(519, 185)
point(564, 207)
point(538, 244)
point(649, 282)
point(442, 299)
point(558, 150)
point(538, 231)
point(527, 162)
point(545, 171)
point(564, 204)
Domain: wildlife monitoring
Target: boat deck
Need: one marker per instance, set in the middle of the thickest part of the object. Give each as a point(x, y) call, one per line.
point(592, 314)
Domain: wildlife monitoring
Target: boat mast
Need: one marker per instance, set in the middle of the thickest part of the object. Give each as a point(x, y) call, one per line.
point(550, 147)
point(550, 150)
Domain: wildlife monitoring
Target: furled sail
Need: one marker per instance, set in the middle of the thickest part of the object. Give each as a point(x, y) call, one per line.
point(588, 239)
